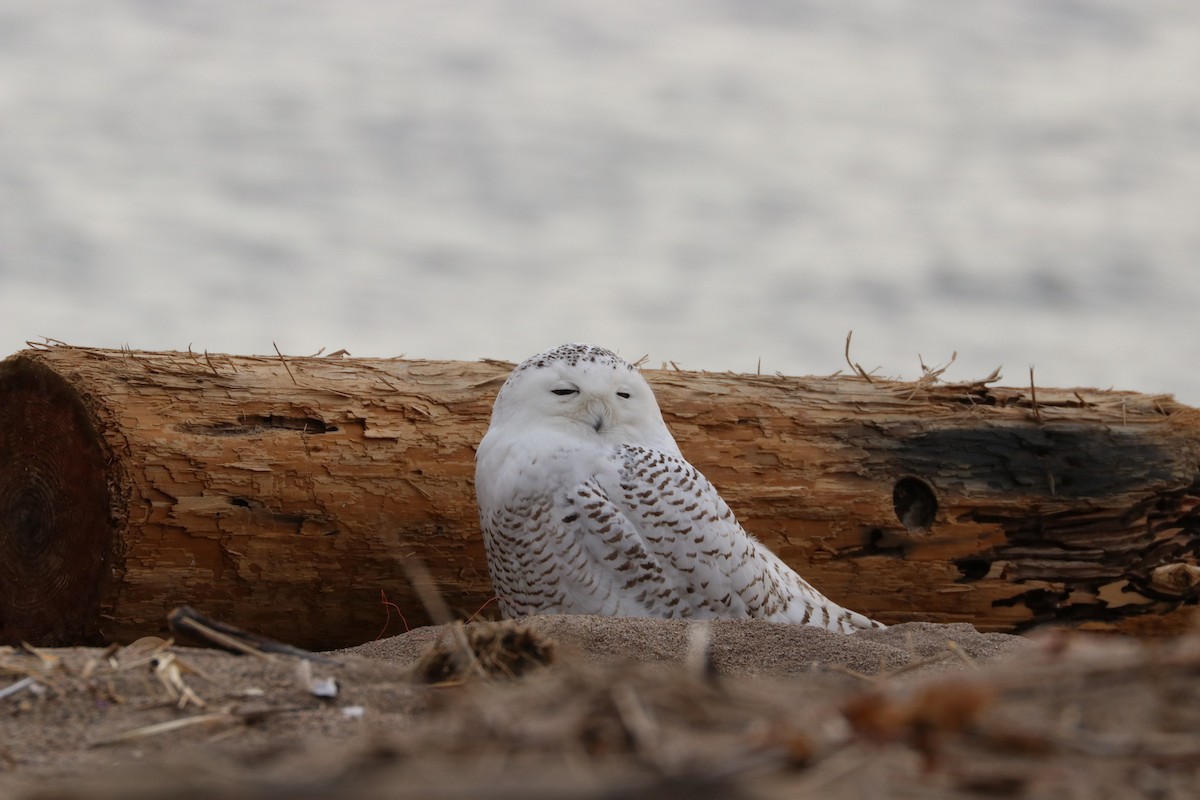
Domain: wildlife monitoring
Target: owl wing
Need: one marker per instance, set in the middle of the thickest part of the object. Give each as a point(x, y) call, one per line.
point(575, 551)
point(645, 535)
point(693, 535)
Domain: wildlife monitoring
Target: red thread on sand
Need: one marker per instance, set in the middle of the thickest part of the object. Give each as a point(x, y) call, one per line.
point(389, 605)
point(479, 610)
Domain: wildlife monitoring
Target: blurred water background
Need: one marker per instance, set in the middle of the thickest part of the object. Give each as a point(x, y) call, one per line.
point(718, 183)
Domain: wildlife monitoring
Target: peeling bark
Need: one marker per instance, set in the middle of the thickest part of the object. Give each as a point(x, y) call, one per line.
point(284, 495)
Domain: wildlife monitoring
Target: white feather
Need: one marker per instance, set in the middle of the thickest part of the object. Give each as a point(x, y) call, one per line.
point(588, 507)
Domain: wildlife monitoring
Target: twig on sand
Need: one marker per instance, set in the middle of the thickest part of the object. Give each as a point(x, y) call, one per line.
point(187, 620)
point(166, 727)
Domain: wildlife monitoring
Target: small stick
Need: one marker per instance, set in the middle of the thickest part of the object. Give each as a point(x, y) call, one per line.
point(856, 367)
point(1033, 396)
point(923, 662)
point(435, 605)
point(186, 620)
point(210, 364)
point(465, 657)
point(853, 673)
point(285, 364)
point(13, 688)
point(165, 727)
point(635, 718)
point(426, 589)
point(963, 655)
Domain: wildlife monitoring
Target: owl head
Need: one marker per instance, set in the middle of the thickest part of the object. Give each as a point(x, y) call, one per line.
point(584, 391)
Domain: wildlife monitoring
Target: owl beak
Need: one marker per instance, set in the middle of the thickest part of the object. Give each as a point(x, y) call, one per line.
point(599, 415)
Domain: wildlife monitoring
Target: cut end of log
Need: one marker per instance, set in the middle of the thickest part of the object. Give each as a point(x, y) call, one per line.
point(56, 536)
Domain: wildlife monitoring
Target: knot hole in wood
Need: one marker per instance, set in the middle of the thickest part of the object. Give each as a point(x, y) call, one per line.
point(916, 505)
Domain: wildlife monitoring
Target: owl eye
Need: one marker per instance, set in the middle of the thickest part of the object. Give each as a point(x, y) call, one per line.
point(564, 392)
point(623, 395)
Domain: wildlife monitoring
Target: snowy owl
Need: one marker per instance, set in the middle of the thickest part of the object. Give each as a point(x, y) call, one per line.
point(588, 507)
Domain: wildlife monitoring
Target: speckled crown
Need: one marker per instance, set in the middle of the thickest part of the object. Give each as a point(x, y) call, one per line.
point(575, 354)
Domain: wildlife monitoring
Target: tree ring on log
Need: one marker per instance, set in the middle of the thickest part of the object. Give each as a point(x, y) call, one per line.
point(56, 538)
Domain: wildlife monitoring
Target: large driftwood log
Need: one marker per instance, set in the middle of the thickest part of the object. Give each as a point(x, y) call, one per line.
point(286, 494)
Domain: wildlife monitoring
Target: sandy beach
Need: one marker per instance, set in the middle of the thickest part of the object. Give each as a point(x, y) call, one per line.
point(600, 707)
